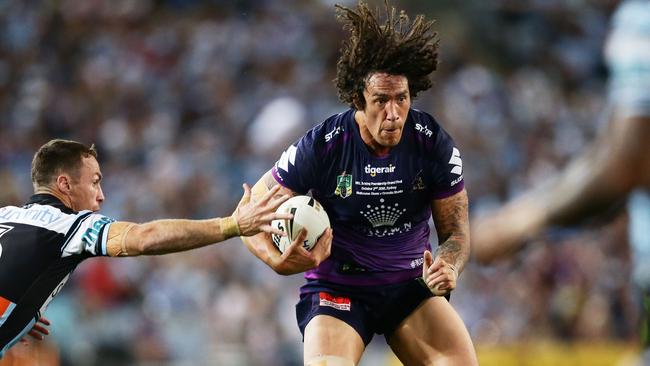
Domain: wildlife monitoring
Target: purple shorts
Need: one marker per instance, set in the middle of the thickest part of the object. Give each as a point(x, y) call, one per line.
point(367, 309)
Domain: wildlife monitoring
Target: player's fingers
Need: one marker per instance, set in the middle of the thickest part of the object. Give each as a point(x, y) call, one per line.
point(428, 259)
point(41, 329)
point(324, 244)
point(272, 230)
point(280, 216)
point(438, 264)
point(440, 270)
point(441, 290)
point(431, 281)
point(271, 193)
point(246, 197)
point(330, 235)
point(280, 200)
point(35, 335)
point(426, 263)
point(300, 238)
point(44, 321)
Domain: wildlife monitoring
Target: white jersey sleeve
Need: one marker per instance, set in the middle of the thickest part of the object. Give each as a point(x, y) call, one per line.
point(88, 235)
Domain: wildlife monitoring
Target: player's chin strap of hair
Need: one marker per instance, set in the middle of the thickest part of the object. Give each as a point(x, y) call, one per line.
point(329, 361)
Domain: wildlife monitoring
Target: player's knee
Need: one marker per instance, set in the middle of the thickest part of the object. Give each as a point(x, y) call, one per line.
point(329, 361)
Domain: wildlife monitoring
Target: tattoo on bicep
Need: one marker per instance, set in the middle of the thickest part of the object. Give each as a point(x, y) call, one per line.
point(452, 226)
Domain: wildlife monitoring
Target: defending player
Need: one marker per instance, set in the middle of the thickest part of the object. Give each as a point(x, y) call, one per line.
point(616, 166)
point(380, 169)
point(42, 242)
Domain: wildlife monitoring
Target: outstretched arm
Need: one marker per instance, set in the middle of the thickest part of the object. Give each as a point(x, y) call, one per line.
point(176, 235)
point(441, 271)
point(613, 165)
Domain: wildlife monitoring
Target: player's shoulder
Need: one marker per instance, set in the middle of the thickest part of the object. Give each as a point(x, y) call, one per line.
point(330, 131)
point(425, 128)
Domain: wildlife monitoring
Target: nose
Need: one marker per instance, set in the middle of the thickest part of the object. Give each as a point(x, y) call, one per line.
point(100, 195)
point(391, 111)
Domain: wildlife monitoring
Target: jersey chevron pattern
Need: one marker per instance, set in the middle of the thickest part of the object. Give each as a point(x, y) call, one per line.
point(41, 243)
point(379, 207)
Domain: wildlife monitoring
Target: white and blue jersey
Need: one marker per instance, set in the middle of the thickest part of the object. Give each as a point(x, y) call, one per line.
point(628, 58)
point(379, 207)
point(41, 243)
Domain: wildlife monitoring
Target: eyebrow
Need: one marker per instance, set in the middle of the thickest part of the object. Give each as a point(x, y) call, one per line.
point(405, 92)
point(99, 176)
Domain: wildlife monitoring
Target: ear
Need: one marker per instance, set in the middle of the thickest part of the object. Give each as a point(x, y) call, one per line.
point(63, 183)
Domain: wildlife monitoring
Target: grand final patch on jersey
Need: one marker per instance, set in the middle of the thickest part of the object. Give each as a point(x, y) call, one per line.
point(343, 185)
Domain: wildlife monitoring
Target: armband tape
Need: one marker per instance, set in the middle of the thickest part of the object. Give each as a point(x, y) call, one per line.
point(123, 252)
point(229, 226)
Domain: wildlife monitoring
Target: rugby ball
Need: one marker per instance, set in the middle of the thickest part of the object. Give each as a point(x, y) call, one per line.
point(307, 213)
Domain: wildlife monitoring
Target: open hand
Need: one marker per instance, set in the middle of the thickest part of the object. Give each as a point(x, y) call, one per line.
point(256, 216)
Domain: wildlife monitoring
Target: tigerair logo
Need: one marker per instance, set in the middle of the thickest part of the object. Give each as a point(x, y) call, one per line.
point(373, 171)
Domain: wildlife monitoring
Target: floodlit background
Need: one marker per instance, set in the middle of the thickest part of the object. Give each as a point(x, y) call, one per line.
point(188, 99)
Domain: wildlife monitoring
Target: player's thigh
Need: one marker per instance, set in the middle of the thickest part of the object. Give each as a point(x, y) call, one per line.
point(329, 336)
point(434, 334)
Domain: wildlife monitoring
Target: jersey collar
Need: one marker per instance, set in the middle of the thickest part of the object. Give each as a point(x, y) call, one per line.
point(49, 200)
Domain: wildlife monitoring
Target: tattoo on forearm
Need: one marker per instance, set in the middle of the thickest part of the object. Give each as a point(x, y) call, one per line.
point(452, 225)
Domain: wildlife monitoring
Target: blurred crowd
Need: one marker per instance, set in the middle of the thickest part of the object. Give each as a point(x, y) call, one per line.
point(187, 99)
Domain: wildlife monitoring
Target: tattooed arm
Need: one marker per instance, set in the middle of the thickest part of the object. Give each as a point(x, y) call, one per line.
point(452, 225)
point(295, 259)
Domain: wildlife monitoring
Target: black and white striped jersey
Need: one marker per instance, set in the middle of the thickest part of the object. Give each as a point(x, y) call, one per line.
point(41, 243)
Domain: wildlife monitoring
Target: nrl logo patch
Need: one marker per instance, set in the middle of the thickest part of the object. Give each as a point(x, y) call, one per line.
point(343, 185)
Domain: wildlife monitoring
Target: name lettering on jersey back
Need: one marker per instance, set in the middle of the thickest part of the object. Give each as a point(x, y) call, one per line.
point(423, 129)
point(373, 171)
point(44, 216)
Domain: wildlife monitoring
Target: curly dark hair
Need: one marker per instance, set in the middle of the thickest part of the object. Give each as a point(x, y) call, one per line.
point(398, 47)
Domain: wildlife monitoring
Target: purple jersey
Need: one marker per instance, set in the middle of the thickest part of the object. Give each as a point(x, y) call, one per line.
point(379, 207)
